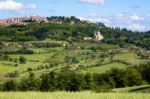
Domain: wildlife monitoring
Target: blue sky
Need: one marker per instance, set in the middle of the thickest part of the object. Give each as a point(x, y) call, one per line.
point(131, 14)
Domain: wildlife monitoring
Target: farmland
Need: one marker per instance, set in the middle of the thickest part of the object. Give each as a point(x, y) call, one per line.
point(72, 95)
point(93, 62)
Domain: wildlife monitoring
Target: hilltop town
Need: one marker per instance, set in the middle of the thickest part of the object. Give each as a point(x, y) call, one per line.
point(36, 18)
point(22, 20)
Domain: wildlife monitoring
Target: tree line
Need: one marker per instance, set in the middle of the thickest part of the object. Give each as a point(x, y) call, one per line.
point(74, 81)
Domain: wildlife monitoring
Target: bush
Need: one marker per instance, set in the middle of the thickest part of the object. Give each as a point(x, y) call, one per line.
point(144, 70)
point(22, 60)
point(134, 78)
point(1, 87)
point(29, 69)
point(13, 74)
point(102, 88)
point(49, 82)
point(25, 51)
point(30, 84)
point(118, 76)
point(10, 85)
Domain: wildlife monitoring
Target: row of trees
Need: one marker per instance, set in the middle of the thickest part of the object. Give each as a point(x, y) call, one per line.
point(73, 81)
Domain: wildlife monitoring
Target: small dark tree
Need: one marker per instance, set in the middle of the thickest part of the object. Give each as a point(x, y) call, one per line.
point(10, 85)
point(22, 60)
point(133, 77)
point(75, 82)
point(88, 81)
point(49, 82)
point(145, 69)
point(30, 84)
point(118, 77)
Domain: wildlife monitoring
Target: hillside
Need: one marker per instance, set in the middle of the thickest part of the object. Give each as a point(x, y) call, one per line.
point(63, 45)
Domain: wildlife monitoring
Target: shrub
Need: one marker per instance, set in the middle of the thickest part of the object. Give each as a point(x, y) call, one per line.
point(10, 85)
point(30, 84)
point(134, 78)
point(22, 60)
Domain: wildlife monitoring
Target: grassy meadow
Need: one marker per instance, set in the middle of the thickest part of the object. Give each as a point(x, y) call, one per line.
point(72, 95)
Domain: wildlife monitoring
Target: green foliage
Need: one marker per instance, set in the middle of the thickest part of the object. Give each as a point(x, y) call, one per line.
point(30, 84)
point(22, 60)
point(10, 85)
point(102, 88)
point(69, 59)
point(134, 77)
point(73, 81)
point(48, 82)
point(118, 77)
point(88, 81)
point(144, 69)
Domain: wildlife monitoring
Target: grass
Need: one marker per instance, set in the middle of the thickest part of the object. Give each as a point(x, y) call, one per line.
point(104, 68)
point(6, 68)
point(126, 57)
point(133, 89)
point(72, 95)
point(46, 56)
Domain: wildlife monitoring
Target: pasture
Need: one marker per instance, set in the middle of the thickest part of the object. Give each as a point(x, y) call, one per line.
point(72, 95)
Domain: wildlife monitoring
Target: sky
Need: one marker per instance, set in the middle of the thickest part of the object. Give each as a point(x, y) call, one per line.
point(130, 14)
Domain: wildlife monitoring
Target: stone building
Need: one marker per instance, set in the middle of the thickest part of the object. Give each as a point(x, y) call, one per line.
point(98, 36)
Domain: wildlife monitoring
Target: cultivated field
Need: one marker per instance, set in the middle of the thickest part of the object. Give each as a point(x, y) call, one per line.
point(72, 95)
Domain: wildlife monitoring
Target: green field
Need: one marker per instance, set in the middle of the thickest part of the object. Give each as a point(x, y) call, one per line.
point(143, 88)
point(105, 68)
point(72, 95)
point(87, 57)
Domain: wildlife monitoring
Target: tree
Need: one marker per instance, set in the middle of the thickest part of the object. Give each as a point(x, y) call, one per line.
point(10, 85)
point(1, 44)
point(88, 81)
point(75, 82)
point(30, 84)
point(118, 76)
point(133, 77)
point(22, 60)
point(145, 69)
point(49, 82)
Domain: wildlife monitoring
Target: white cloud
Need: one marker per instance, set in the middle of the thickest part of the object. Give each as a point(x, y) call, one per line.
point(12, 5)
point(136, 26)
point(130, 21)
point(100, 19)
point(31, 6)
point(135, 17)
point(93, 17)
point(99, 2)
point(129, 17)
